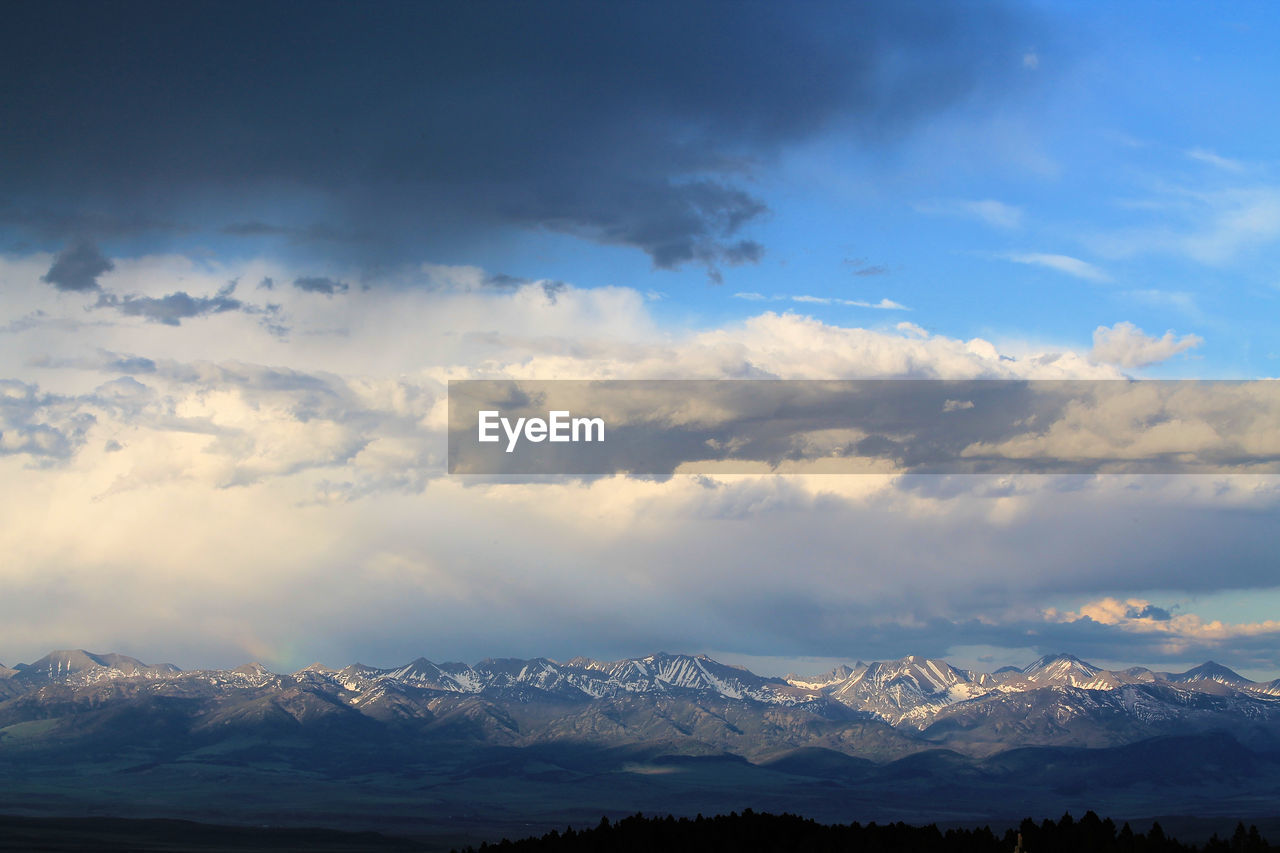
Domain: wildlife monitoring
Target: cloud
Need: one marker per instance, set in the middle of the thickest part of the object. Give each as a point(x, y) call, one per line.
point(84, 222)
point(320, 284)
point(1206, 156)
point(44, 428)
point(911, 329)
point(1177, 633)
point(1145, 427)
point(77, 267)
point(312, 233)
point(551, 287)
point(173, 308)
point(884, 304)
point(1238, 220)
point(1214, 226)
point(861, 268)
point(226, 425)
point(430, 126)
point(464, 318)
point(696, 557)
point(83, 263)
point(1126, 345)
point(326, 463)
point(1147, 610)
point(997, 214)
point(1062, 263)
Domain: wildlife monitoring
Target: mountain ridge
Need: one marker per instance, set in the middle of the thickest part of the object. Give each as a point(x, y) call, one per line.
point(682, 727)
point(117, 660)
point(912, 691)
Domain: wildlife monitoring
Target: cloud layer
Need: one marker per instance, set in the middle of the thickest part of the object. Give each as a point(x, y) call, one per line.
point(182, 483)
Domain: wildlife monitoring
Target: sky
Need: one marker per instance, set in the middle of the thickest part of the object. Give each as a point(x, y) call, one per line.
point(244, 247)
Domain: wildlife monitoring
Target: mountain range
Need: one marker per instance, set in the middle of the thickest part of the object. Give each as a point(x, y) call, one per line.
point(916, 702)
point(511, 742)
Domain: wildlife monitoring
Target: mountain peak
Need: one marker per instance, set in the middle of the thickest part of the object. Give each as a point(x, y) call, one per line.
point(1062, 668)
point(1212, 671)
point(66, 659)
point(840, 673)
point(318, 667)
point(68, 663)
point(1058, 658)
point(252, 668)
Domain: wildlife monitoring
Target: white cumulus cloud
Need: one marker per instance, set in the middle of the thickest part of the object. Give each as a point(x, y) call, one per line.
point(1125, 345)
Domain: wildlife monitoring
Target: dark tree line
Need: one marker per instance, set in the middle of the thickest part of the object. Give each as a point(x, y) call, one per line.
point(752, 831)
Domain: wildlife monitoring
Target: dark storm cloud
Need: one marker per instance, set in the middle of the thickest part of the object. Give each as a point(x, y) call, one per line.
point(55, 224)
point(317, 232)
point(636, 124)
point(77, 267)
point(256, 229)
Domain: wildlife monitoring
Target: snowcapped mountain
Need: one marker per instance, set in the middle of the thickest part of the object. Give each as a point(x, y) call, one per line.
point(1062, 669)
point(817, 682)
point(907, 690)
point(882, 707)
point(1210, 671)
point(80, 667)
point(578, 679)
point(664, 672)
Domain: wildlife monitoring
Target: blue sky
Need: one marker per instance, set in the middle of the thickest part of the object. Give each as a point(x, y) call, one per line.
point(1140, 142)
point(242, 247)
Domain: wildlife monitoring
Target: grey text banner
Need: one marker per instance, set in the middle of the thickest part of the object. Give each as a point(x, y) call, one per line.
point(664, 427)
